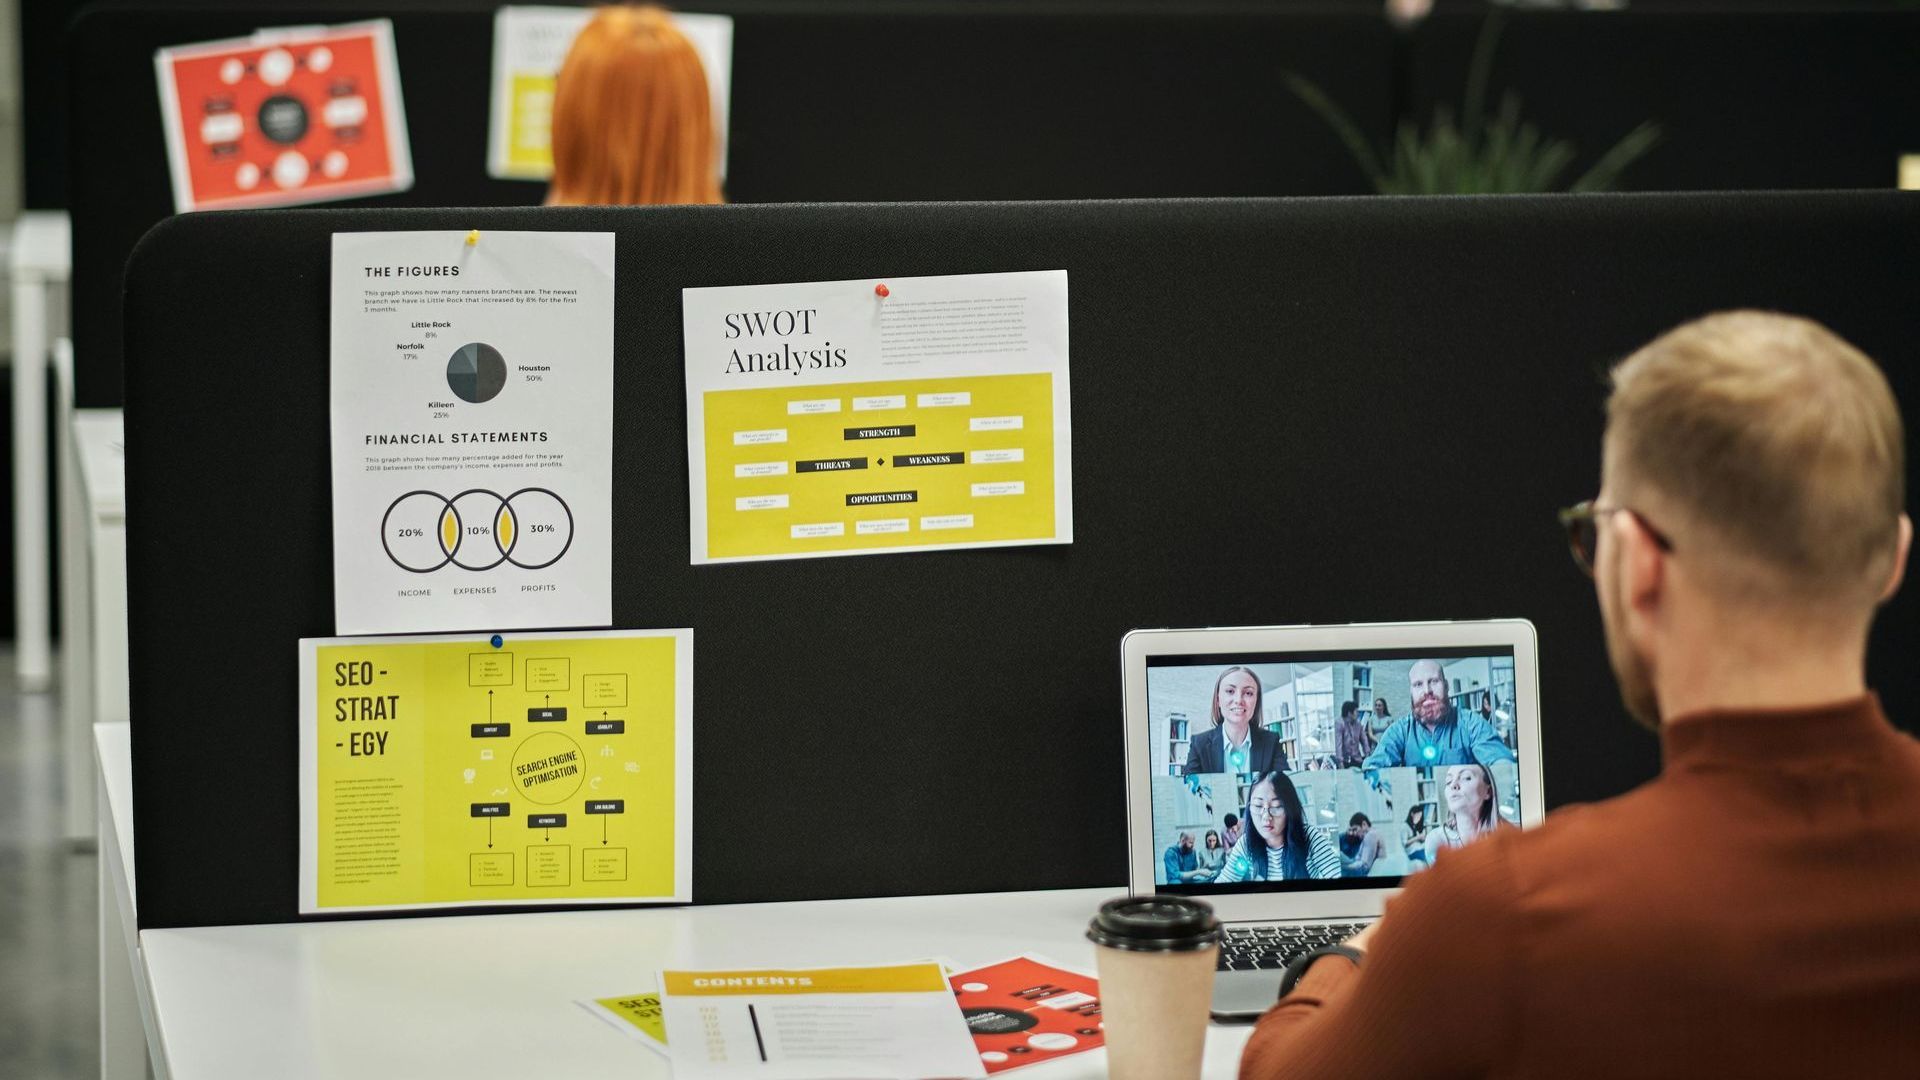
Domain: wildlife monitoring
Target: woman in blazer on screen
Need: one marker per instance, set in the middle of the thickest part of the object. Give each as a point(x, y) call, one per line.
point(1237, 729)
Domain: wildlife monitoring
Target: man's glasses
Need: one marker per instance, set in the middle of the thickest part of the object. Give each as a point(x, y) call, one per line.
point(1582, 522)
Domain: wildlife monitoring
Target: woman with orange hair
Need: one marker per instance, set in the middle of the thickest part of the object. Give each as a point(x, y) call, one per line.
point(632, 115)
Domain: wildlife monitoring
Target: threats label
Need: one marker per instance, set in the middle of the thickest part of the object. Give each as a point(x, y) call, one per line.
point(469, 771)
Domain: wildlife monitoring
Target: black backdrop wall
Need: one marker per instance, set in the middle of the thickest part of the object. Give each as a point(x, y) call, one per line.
point(1810, 99)
point(1284, 411)
point(869, 100)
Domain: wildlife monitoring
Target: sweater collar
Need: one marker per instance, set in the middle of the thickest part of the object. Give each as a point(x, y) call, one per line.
point(1838, 729)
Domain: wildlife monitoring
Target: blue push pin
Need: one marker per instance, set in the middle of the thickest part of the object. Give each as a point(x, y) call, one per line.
point(1430, 752)
point(497, 642)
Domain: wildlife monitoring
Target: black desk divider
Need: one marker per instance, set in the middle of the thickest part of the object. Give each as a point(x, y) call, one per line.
point(1284, 411)
point(881, 100)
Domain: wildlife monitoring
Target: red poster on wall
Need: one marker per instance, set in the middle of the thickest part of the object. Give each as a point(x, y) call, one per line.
point(284, 117)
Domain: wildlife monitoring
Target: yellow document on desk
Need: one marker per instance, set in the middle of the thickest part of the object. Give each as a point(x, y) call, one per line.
point(459, 771)
point(846, 1023)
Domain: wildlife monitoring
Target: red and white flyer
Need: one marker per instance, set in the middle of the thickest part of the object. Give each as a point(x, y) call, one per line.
point(1028, 1010)
point(284, 117)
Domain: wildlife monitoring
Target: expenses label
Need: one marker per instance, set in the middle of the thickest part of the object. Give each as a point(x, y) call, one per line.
point(453, 772)
point(903, 463)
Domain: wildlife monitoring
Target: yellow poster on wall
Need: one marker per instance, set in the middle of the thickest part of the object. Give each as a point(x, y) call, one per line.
point(456, 771)
point(856, 417)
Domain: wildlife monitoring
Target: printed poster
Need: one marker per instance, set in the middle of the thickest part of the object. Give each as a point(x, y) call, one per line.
point(529, 44)
point(452, 771)
point(637, 1016)
point(843, 1023)
point(284, 117)
point(857, 417)
point(1027, 1010)
point(472, 414)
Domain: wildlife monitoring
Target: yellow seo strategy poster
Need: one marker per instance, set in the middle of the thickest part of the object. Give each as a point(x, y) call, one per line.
point(854, 417)
point(459, 771)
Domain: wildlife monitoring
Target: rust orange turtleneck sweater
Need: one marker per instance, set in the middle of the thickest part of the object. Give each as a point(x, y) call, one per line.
point(1753, 911)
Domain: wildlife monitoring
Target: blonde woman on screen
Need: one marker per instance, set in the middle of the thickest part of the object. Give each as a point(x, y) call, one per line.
point(632, 115)
point(1471, 809)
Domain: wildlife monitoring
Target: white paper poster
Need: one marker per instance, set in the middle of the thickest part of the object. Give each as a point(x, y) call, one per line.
point(857, 417)
point(529, 44)
point(816, 1024)
point(472, 392)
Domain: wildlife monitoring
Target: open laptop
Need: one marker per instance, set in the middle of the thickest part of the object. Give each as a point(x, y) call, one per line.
point(1264, 776)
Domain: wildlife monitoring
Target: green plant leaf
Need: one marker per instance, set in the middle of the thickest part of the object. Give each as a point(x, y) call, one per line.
point(1605, 173)
point(1480, 72)
point(1342, 124)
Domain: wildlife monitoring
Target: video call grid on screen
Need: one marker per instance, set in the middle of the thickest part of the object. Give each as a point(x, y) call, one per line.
point(1414, 778)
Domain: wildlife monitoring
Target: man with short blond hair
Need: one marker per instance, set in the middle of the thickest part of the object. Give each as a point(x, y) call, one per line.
point(1749, 524)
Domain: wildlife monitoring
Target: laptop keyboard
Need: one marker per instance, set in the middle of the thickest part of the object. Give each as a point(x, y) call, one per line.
point(1250, 948)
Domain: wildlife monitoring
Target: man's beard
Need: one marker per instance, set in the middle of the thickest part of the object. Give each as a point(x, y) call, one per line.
point(1630, 670)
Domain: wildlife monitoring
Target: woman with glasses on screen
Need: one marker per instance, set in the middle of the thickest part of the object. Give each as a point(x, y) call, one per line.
point(1471, 809)
point(1279, 846)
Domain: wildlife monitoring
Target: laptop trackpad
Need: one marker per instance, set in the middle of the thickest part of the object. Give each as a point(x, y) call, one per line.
point(1241, 996)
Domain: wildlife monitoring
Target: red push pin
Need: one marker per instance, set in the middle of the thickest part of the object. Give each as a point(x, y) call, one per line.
point(881, 290)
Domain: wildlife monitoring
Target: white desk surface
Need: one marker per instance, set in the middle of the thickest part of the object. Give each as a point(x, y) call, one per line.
point(99, 437)
point(114, 744)
point(493, 995)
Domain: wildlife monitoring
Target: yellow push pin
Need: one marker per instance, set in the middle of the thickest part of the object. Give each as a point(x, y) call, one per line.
point(473, 237)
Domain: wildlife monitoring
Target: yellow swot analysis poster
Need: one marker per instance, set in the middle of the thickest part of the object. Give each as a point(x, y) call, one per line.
point(853, 417)
point(455, 771)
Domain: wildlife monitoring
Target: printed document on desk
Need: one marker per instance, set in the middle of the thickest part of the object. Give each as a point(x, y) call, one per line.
point(472, 406)
point(849, 1023)
point(858, 417)
point(451, 771)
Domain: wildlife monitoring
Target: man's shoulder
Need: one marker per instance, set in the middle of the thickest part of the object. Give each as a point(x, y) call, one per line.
point(1588, 840)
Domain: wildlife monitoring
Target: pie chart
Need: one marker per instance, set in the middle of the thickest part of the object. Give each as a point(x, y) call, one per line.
point(476, 372)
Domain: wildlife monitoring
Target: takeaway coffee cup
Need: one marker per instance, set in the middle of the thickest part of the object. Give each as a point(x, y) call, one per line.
point(1156, 959)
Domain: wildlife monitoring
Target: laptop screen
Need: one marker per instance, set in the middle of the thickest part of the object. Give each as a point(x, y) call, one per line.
point(1310, 771)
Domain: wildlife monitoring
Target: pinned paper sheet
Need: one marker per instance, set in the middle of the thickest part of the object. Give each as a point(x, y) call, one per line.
point(450, 771)
point(846, 418)
point(472, 420)
point(284, 117)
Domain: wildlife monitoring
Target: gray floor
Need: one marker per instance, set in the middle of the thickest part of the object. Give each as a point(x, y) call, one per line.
point(49, 956)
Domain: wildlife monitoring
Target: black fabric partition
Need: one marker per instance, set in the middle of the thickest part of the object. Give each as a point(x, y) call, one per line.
point(1818, 98)
point(854, 100)
point(1284, 411)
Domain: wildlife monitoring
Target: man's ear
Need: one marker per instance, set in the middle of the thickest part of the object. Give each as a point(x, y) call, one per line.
point(1643, 566)
point(1901, 548)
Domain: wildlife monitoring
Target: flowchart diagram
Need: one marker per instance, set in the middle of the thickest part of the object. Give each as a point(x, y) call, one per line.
point(889, 464)
point(541, 769)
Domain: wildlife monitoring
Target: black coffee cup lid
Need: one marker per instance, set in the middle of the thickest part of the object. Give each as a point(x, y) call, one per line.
point(1155, 924)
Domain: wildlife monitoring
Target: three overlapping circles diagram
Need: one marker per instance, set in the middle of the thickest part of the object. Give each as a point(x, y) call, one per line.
point(477, 529)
